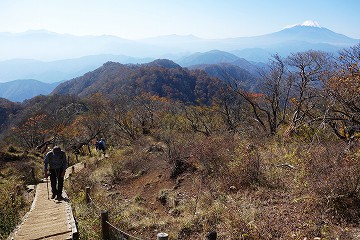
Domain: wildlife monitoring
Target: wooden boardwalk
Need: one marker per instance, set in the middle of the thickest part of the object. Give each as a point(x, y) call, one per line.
point(48, 218)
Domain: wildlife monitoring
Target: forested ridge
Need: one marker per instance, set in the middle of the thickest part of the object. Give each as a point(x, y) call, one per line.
point(189, 153)
point(161, 78)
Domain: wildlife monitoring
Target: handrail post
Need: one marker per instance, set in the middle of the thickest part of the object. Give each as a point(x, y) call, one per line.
point(12, 197)
point(87, 195)
point(104, 225)
point(162, 236)
point(32, 172)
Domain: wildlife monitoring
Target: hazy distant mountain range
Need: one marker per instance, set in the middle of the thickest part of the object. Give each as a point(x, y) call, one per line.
point(213, 62)
point(44, 45)
point(33, 54)
point(19, 90)
point(55, 71)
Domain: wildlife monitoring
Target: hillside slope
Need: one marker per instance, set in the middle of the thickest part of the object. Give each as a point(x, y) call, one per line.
point(19, 90)
point(8, 110)
point(162, 77)
point(230, 73)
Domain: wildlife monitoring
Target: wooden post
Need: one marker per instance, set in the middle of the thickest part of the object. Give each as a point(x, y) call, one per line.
point(17, 189)
point(162, 236)
point(32, 172)
point(75, 236)
point(104, 225)
point(88, 145)
point(12, 197)
point(87, 194)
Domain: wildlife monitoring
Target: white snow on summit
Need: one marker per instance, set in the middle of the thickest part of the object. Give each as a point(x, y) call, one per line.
point(310, 23)
point(307, 23)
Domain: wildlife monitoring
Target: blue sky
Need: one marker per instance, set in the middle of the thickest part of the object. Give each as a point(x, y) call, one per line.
point(135, 19)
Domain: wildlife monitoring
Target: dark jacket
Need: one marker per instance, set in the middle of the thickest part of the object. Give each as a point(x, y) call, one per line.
point(56, 160)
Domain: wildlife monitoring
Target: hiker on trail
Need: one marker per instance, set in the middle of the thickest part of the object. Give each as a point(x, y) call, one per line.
point(101, 145)
point(56, 159)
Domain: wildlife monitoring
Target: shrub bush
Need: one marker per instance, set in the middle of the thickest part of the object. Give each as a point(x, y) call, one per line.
point(338, 170)
point(12, 205)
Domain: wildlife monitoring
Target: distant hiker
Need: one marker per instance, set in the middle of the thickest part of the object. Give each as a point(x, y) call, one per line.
point(101, 145)
point(56, 159)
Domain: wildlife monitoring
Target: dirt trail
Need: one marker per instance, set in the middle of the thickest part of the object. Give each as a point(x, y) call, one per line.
point(47, 218)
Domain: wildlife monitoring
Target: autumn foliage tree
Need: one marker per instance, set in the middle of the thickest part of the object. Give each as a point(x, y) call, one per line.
point(46, 121)
point(192, 128)
point(32, 132)
point(343, 93)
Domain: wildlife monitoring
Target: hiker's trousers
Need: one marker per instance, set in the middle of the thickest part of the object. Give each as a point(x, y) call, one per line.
point(57, 181)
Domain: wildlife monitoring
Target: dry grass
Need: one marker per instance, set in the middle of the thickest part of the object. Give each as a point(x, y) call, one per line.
point(15, 174)
point(244, 190)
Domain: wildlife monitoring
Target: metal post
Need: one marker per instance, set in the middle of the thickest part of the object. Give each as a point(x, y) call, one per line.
point(162, 236)
point(87, 194)
point(104, 225)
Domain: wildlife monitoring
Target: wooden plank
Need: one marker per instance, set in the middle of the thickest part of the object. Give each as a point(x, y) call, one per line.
point(48, 218)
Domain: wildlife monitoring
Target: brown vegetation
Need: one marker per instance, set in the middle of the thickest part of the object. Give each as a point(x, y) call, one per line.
point(187, 155)
point(17, 170)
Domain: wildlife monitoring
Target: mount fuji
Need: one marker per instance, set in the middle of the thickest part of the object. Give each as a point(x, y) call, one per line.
point(312, 32)
point(48, 46)
point(51, 57)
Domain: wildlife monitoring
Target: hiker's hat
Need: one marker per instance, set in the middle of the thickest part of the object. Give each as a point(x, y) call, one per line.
point(56, 149)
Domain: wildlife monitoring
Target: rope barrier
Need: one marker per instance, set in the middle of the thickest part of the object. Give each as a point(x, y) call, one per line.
point(112, 231)
point(118, 234)
point(123, 234)
point(93, 203)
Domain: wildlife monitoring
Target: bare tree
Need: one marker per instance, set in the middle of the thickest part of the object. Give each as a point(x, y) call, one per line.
point(308, 70)
point(134, 116)
point(202, 119)
point(231, 107)
point(270, 107)
point(277, 86)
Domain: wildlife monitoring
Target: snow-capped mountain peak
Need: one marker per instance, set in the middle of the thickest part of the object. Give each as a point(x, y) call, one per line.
point(310, 23)
point(307, 23)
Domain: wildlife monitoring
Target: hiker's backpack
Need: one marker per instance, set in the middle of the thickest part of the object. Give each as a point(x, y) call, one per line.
point(51, 157)
point(101, 145)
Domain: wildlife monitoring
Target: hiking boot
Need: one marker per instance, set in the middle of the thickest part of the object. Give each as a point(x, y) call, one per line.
point(59, 198)
point(53, 196)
